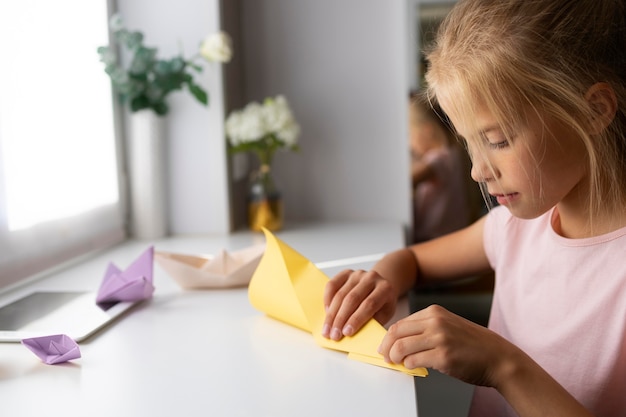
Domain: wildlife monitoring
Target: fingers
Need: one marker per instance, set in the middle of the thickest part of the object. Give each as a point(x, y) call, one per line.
point(424, 339)
point(334, 285)
point(438, 339)
point(377, 303)
point(348, 293)
point(354, 297)
point(332, 305)
point(404, 338)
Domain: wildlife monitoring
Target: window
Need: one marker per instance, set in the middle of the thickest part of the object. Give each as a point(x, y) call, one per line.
point(59, 188)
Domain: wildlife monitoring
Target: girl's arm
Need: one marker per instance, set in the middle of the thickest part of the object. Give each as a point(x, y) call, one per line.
point(531, 391)
point(437, 339)
point(353, 297)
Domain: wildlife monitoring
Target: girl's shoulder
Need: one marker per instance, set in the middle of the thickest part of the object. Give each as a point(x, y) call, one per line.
point(500, 218)
point(504, 228)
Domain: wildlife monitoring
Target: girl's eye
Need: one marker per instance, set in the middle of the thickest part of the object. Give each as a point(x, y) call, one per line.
point(499, 145)
point(495, 140)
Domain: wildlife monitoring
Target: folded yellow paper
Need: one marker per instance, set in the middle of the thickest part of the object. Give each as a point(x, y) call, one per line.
point(288, 287)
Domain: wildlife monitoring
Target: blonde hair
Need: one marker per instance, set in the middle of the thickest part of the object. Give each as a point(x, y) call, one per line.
point(539, 56)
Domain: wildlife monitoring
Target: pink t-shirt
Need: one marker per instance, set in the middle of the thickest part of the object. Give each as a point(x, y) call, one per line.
point(563, 302)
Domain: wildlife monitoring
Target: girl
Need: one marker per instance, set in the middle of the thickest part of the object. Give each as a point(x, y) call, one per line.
point(537, 90)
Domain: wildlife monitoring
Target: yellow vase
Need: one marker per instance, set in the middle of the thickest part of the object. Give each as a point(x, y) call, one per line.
point(265, 204)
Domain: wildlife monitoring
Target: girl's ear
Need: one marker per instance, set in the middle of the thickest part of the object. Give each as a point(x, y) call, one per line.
point(603, 102)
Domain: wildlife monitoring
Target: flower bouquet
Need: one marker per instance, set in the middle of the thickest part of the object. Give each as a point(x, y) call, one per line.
point(263, 129)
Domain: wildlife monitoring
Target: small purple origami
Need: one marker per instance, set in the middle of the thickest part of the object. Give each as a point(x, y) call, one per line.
point(132, 284)
point(53, 349)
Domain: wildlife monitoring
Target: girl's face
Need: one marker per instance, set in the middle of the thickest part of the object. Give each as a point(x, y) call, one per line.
point(539, 166)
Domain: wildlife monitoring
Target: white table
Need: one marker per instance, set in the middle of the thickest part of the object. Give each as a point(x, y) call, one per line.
point(206, 353)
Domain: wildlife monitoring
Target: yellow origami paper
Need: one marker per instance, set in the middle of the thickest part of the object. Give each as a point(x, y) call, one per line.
point(288, 287)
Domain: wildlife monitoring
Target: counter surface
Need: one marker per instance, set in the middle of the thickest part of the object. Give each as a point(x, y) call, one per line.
point(207, 352)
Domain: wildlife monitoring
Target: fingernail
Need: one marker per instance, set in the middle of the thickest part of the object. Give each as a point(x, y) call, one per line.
point(348, 330)
point(335, 334)
point(325, 330)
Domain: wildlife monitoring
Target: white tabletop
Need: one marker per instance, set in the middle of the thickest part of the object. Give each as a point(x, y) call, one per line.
point(208, 352)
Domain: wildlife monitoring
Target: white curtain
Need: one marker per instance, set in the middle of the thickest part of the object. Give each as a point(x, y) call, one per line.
point(59, 178)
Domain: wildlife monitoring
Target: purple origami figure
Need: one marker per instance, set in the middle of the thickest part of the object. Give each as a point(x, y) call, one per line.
point(53, 349)
point(132, 284)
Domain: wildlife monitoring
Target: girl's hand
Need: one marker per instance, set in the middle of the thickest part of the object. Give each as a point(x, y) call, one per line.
point(435, 338)
point(352, 298)
point(438, 339)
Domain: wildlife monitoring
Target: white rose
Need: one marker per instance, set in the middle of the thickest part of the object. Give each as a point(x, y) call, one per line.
point(256, 121)
point(245, 125)
point(289, 134)
point(274, 114)
point(232, 127)
point(279, 120)
point(217, 47)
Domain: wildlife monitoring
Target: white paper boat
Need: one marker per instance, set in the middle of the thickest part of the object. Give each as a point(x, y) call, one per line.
point(224, 270)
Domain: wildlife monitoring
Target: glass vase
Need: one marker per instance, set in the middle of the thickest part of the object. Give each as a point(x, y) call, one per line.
point(265, 204)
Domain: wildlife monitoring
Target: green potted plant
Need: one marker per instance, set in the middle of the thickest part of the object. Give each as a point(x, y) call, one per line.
point(145, 81)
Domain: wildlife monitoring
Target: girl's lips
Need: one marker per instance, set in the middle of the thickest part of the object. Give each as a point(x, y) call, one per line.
point(504, 199)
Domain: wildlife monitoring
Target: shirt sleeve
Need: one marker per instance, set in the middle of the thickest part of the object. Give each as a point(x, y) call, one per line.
point(493, 232)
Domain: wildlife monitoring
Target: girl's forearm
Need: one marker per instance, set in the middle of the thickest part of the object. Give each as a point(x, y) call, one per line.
point(400, 269)
point(532, 392)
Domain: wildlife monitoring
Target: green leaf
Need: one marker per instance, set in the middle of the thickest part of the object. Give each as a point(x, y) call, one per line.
point(177, 64)
point(134, 40)
point(143, 60)
point(198, 93)
point(162, 67)
point(145, 81)
point(139, 103)
point(196, 67)
point(160, 108)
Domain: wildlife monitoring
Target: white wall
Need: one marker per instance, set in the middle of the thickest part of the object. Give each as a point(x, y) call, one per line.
point(198, 182)
point(343, 66)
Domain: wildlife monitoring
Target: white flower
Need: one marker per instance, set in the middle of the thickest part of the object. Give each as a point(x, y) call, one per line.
point(280, 121)
point(276, 113)
point(217, 47)
point(289, 133)
point(246, 125)
point(259, 121)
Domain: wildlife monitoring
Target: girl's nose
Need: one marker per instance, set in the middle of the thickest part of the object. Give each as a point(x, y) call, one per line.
point(482, 169)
